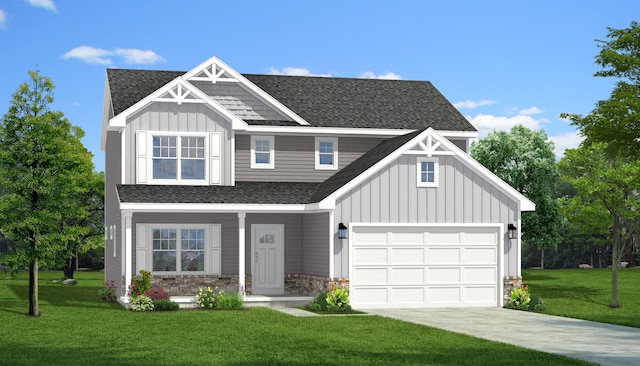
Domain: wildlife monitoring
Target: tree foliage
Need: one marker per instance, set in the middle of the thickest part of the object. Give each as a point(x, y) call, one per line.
point(616, 120)
point(525, 159)
point(43, 168)
point(610, 183)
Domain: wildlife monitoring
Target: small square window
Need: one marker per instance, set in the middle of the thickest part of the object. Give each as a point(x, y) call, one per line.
point(427, 172)
point(262, 152)
point(326, 153)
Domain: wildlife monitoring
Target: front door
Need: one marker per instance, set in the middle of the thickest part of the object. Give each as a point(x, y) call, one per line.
point(267, 269)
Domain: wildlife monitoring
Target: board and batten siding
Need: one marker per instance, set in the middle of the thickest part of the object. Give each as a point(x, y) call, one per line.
point(184, 118)
point(112, 218)
point(462, 196)
point(295, 158)
point(239, 101)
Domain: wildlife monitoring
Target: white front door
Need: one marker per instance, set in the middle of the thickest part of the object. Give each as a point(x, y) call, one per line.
point(267, 268)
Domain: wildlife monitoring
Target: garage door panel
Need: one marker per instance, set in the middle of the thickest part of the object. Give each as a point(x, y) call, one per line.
point(479, 275)
point(370, 276)
point(405, 276)
point(439, 256)
point(424, 266)
point(444, 276)
point(480, 255)
point(368, 256)
point(407, 256)
point(408, 295)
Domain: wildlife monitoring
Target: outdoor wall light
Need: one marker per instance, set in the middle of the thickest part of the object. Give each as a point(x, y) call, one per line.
point(342, 231)
point(512, 231)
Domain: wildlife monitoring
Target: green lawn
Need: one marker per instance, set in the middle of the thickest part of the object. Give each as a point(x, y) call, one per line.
point(77, 328)
point(586, 293)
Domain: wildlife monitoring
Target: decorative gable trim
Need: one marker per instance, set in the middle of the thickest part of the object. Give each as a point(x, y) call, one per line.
point(177, 91)
point(214, 71)
point(429, 142)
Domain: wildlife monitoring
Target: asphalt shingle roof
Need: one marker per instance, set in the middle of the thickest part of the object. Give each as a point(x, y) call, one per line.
point(242, 192)
point(322, 101)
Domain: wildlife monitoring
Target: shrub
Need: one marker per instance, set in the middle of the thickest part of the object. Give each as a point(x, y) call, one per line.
point(321, 300)
point(314, 306)
point(206, 299)
point(141, 303)
point(139, 285)
point(536, 303)
point(165, 305)
point(338, 296)
point(229, 300)
point(108, 292)
point(519, 298)
point(157, 293)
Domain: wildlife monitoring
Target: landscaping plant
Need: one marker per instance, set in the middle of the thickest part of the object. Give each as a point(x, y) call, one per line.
point(141, 303)
point(229, 300)
point(206, 299)
point(140, 285)
point(165, 305)
point(156, 293)
point(338, 297)
point(108, 292)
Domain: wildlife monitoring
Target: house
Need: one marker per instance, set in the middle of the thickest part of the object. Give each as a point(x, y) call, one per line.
point(281, 184)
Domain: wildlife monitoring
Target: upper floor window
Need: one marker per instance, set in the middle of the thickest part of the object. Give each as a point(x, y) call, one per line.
point(326, 153)
point(176, 158)
point(262, 152)
point(427, 172)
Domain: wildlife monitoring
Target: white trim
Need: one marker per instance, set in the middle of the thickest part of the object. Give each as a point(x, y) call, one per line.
point(128, 250)
point(272, 156)
point(332, 236)
point(212, 207)
point(261, 94)
point(436, 172)
point(500, 251)
point(123, 154)
point(341, 131)
point(233, 158)
point(242, 244)
point(334, 147)
point(525, 203)
point(115, 239)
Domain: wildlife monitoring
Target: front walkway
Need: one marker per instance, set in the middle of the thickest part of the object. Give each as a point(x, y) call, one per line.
point(605, 344)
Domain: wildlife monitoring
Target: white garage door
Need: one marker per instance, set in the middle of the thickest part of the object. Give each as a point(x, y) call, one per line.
point(422, 266)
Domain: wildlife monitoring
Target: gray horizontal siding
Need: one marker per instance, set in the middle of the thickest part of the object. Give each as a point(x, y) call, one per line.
point(295, 158)
point(463, 196)
point(315, 244)
point(113, 159)
point(187, 117)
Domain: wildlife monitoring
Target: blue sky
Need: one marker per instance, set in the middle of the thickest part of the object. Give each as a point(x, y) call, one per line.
point(499, 62)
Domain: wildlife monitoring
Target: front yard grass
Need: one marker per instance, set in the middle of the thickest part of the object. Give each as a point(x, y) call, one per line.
point(77, 328)
point(586, 293)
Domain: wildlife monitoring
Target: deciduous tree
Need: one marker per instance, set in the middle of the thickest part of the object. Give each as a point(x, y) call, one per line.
point(43, 167)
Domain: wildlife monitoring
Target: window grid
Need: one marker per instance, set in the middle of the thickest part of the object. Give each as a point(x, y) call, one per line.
point(185, 155)
point(178, 250)
point(262, 152)
point(325, 151)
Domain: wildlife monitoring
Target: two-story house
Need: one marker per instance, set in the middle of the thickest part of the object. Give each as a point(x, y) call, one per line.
point(281, 184)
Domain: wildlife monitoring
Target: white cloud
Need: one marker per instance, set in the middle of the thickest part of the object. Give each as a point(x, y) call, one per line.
point(45, 4)
point(134, 56)
point(388, 76)
point(99, 56)
point(294, 71)
point(531, 110)
point(568, 140)
point(470, 104)
point(3, 19)
point(486, 123)
point(90, 55)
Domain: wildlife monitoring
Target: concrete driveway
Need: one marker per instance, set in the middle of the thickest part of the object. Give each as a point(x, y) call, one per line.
point(605, 344)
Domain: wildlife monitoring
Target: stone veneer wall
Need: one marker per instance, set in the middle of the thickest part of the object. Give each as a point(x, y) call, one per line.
point(189, 285)
point(509, 283)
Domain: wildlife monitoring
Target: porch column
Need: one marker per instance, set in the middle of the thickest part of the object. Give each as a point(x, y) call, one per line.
point(241, 251)
point(128, 257)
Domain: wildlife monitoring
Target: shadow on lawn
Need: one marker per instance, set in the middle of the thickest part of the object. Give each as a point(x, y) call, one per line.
point(579, 293)
point(61, 295)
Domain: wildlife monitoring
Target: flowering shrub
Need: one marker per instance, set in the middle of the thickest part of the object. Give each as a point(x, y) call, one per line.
point(108, 292)
point(338, 296)
point(156, 293)
point(519, 298)
point(207, 299)
point(139, 286)
point(141, 303)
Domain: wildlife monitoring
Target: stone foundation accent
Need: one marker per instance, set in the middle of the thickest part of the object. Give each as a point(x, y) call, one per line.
point(309, 285)
point(509, 283)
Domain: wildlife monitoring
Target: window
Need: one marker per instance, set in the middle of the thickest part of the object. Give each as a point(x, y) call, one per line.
point(178, 250)
point(262, 152)
point(427, 172)
point(326, 153)
point(172, 155)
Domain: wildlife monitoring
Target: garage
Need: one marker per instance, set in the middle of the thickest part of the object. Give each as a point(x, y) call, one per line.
point(417, 266)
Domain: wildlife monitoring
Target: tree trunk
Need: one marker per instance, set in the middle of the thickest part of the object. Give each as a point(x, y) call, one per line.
point(542, 258)
point(615, 260)
point(67, 270)
point(34, 309)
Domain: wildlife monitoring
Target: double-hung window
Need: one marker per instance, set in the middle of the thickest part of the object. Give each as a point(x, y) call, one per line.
point(178, 249)
point(427, 172)
point(326, 153)
point(262, 152)
point(179, 157)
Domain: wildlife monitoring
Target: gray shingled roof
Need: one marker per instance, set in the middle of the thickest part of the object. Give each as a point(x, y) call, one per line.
point(242, 192)
point(323, 102)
